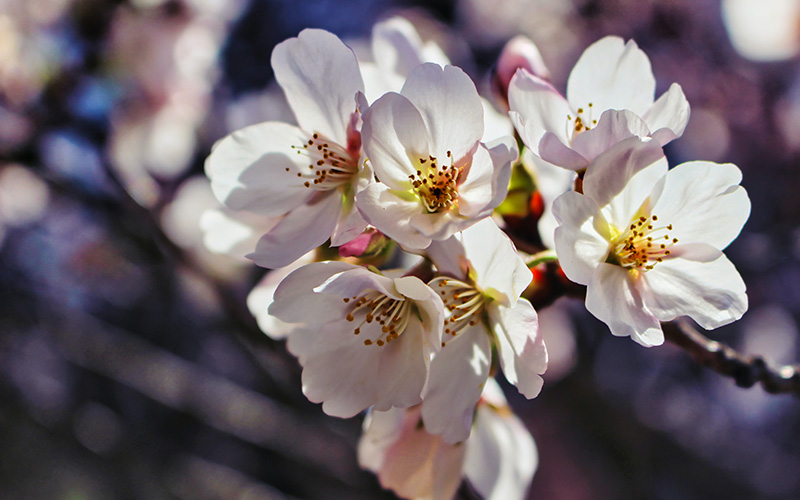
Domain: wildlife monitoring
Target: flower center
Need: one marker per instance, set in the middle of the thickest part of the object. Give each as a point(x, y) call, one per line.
point(385, 318)
point(643, 244)
point(436, 185)
point(464, 304)
point(330, 165)
point(581, 123)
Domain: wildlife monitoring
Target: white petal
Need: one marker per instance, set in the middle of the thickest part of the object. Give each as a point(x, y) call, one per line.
point(552, 150)
point(614, 298)
point(613, 128)
point(501, 456)
point(476, 189)
point(441, 225)
point(248, 169)
point(611, 74)
point(391, 215)
point(302, 230)
point(499, 270)
point(449, 256)
point(523, 355)
point(537, 108)
point(355, 281)
point(458, 373)
point(579, 245)
point(504, 153)
point(449, 105)
point(704, 203)
point(381, 430)
point(320, 77)
point(393, 134)
point(294, 299)
point(396, 46)
point(711, 293)
point(496, 125)
point(233, 235)
point(403, 369)
point(624, 176)
point(669, 115)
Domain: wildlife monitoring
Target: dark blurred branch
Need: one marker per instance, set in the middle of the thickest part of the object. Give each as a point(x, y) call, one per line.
point(746, 370)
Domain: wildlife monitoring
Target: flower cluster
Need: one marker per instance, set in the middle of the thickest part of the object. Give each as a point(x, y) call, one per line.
point(399, 160)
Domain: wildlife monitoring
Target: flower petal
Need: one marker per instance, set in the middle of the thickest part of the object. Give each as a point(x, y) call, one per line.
point(476, 188)
point(711, 293)
point(233, 235)
point(458, 372)
point(393, 133)
point(537, 108)
point(523, 355)
point(501, 455)
point(579, 245)
point(391, 214)
point(403, 369)
point(613, 297)
point(669, 115)
point(320, 77)
point(611, 74)
point(613, 128)
point(450, 106)
point(248, 169)
point(302, 230)
point(552, 150)
point(704, 203)
point(294, 299)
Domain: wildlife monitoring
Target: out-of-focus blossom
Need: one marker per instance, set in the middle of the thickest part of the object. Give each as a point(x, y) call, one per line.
point(551, 182)
point(610, 97)
point(362, 338)
point(436, 176)
point(647, 242)
point(483, 278)
point(499, 459)
point(555, 327)
point(307, 174)
point(23, 198)
point(763, 30)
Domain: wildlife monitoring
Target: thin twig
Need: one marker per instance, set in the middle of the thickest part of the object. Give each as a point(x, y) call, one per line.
point(746, 370)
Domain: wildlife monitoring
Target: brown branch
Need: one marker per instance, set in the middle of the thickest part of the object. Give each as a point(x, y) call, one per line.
point(746, 370)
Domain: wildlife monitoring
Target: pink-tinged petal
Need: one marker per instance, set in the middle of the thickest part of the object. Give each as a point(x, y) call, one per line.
point(537, 108)
point(711, 293)
point(320, 77)
point(501, 455)
point(669, 115)
point(704, 203)
point(614, 297)
point(232, 235)
point(294, 300)
point(519, 53)
point(403, 369)
point(458, 374)
point(263, 295)
point(394, 135)
point(523, 355)
point(624, 176)
point(476, 189)
point(579, 244)
point(409, 460)
point(613, 128)
point(552, 150)
point(391, 214)
point(248, 169)
point(302, 230)
point(450, 106)
point(499, 270)
point(611, 74)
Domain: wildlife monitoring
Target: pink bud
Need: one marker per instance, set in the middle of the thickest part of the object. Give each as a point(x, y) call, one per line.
point(519, 52)
point(366, 244)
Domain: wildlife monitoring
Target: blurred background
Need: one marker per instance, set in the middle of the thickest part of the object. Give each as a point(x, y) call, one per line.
point(130, 367)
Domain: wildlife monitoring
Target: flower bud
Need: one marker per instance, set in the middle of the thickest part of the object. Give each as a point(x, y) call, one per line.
point(519, 52)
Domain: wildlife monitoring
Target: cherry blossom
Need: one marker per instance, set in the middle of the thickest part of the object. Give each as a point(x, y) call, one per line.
point(309, 174)
point(482, 278)
point(436, 177)
point(647, 241)
point(362, 338)
point(610, 97)
point(499, 459)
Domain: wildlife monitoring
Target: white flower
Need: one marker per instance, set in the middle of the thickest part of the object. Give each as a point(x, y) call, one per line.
point(499, 459)
point(363, 339)
point(437, 178)
point(306, 174)
point(647, 242)
point(610, 97)
point(483, 278)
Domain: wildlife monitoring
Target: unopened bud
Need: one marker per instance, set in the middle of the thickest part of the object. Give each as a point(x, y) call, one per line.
point(519, 52)
point(367, 244)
